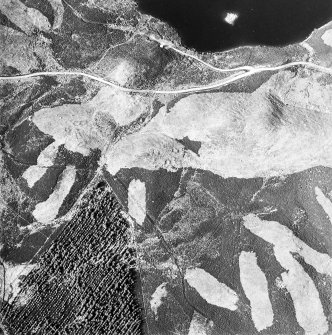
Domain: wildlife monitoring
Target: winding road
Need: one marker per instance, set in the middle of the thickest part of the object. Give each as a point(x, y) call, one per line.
point(243, 72)
point(218, 84)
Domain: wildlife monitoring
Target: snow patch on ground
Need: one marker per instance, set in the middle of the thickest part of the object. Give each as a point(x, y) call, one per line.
point(121, 73)
point(123, 107)
point(149, 151)
point(210, 289)
point(327, 37)
point(308, 307)
point(307, 304)
point(230, 18)
point(58, 11)
point(199, 325)
point(169, 268)
point(255, 287)
point(26, 18)
point(137, 200)
point(157, 298)
point(44, 160)
point(239, 133)
point(307, 46)
point(282, 237)
point(324, 201)
point(46, 211)
point(10, 284)
point(279, 283)
point(89, 126)
point(71, 125)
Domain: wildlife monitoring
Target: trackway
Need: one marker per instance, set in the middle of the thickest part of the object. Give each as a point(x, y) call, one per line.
point(243, 72)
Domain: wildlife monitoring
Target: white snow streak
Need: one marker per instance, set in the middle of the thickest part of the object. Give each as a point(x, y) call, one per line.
point(307, 304)
point(210, 289)
point(11, 282)
point(48, 210)
point(44, 160)
point(324, 201)
point(255, 287)
point(230, 18)
point(327, 37)
point(282, 237)
point(137, 200)
point(157, 298)
point(308, 308)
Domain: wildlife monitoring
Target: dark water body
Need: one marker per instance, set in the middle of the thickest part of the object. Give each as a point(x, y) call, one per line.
point(201, 25)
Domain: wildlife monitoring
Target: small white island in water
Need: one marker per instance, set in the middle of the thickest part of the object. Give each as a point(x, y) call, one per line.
point(230, 18)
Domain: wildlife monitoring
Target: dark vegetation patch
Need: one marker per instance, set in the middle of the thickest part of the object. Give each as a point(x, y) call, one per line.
point(82, 41)
point(18, 212)
point(86, 167)
point(10, 234)
point(78, 51)
point(4, 21)
point(156, 106)
point(277, 112)
point(298, 208)
point(71, 92)
point(17, 107)
point(160, 188)
point(217, 244)
point(7, 70)
point(191, 145)
point(121, 12)
point(6, 89)
point(151, 62)
point(29, 247)
point(90, 14)
point(87, 274)
point(26, 142)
